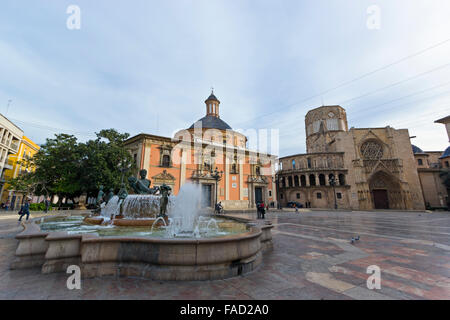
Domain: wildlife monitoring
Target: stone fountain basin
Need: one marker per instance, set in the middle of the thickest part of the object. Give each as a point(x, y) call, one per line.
point(152, 258)
point(93, 220)
point(138, 222)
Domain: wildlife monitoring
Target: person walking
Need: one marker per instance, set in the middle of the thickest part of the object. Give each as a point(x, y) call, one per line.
point(25, 210)
point(7, 205)
point(47, 205)
point(258, 210)
point(263, 210)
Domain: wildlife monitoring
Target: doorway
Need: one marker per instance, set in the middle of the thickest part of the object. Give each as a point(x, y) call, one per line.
point(380, 199)
point(258, 194)
point(206, 195)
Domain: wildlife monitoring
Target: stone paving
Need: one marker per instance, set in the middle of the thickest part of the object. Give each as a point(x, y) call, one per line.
point(312, 259)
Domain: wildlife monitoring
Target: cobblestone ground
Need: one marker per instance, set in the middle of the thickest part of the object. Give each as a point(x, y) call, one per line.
point(312, 259)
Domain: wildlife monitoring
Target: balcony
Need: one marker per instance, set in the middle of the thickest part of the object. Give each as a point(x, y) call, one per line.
point(8, 165)
point(15, 146)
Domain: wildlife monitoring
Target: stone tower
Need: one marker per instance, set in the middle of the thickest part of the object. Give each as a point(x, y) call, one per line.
point(321, 125)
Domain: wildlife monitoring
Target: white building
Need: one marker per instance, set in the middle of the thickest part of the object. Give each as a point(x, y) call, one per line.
point(10, 138)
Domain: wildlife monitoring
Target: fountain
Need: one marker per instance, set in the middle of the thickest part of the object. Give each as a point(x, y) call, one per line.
point(149, 234)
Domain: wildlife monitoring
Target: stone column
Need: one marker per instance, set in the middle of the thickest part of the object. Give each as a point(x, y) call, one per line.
point(146, 158)
point(183, 167)
point(241, 181)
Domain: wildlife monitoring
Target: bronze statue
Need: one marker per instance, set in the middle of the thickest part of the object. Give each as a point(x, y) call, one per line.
point(100, 195)
point(100, 200)
point(123, 193)
point(110, 195)
point(142, 186)
point(164, 201)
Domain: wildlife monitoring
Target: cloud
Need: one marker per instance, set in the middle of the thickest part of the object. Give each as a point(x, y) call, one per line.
point(149, 65)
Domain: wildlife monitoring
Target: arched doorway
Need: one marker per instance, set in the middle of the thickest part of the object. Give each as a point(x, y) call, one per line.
point(385, 191)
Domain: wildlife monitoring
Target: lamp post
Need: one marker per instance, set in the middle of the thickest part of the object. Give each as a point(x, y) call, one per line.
point(333, 184)
point(277, 188)
point(217, 175)
point(123, 168)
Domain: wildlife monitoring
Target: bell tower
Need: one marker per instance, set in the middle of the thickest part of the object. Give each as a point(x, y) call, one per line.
point(321, 126)
point(212, 105)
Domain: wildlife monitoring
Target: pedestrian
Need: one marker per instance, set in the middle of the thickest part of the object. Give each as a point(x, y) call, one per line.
point(6, 205)
point(258, 210)
point(263, 210)
point(47, 205)
point(25, 210)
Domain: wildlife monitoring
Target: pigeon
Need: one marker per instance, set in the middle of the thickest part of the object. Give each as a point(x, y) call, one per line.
point(352, 241)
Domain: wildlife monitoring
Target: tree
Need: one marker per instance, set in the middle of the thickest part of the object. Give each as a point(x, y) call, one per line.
point(58, 167)
point(102, 160)
point(68, 168)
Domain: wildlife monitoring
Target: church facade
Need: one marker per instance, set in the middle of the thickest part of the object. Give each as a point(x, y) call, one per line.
point(208, 149)
point(356, 168)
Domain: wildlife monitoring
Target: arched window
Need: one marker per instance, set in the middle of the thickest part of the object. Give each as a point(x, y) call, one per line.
point(258, 171)
point(330, 178)
point(166, 161)
point(342, 179)
point(303, 180)
point(296, 182)
point(290, 181)
point(283, 182)
point(321, 179)
point(293, 164)
point(312, 180)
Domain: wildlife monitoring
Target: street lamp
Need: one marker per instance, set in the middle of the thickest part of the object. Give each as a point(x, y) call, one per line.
point(217, 175)
point(123, 168)
point(277, 188)
point(333, 184)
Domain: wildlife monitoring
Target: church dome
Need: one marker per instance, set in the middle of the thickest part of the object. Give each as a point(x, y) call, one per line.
point(212, 122)
point(416, 149)
point(212, 119)
point(212, 97)
point(446, 153)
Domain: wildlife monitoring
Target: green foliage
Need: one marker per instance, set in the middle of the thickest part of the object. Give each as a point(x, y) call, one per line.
point(38, 207)
point(445, 176)
point(69, 168)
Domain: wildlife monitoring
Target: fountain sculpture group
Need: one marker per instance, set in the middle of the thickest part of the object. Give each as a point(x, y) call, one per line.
point(190, 247)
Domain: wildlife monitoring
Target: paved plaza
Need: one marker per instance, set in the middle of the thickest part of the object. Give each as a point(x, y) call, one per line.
point(312, 258)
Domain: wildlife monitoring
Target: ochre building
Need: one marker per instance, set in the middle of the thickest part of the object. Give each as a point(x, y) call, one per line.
point(17, 166)
point(193, 154)
point(429, 166)
point(356, 168)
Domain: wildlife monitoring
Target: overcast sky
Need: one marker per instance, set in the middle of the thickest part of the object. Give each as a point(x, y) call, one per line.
point(147, 66)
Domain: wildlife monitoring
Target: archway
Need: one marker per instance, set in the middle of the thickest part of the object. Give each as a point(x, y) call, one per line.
point(386, 191)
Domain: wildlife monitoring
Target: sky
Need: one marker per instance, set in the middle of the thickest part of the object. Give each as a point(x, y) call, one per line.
point(143, 66)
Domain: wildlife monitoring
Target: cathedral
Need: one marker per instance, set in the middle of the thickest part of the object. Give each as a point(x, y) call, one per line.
point(356, 168)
